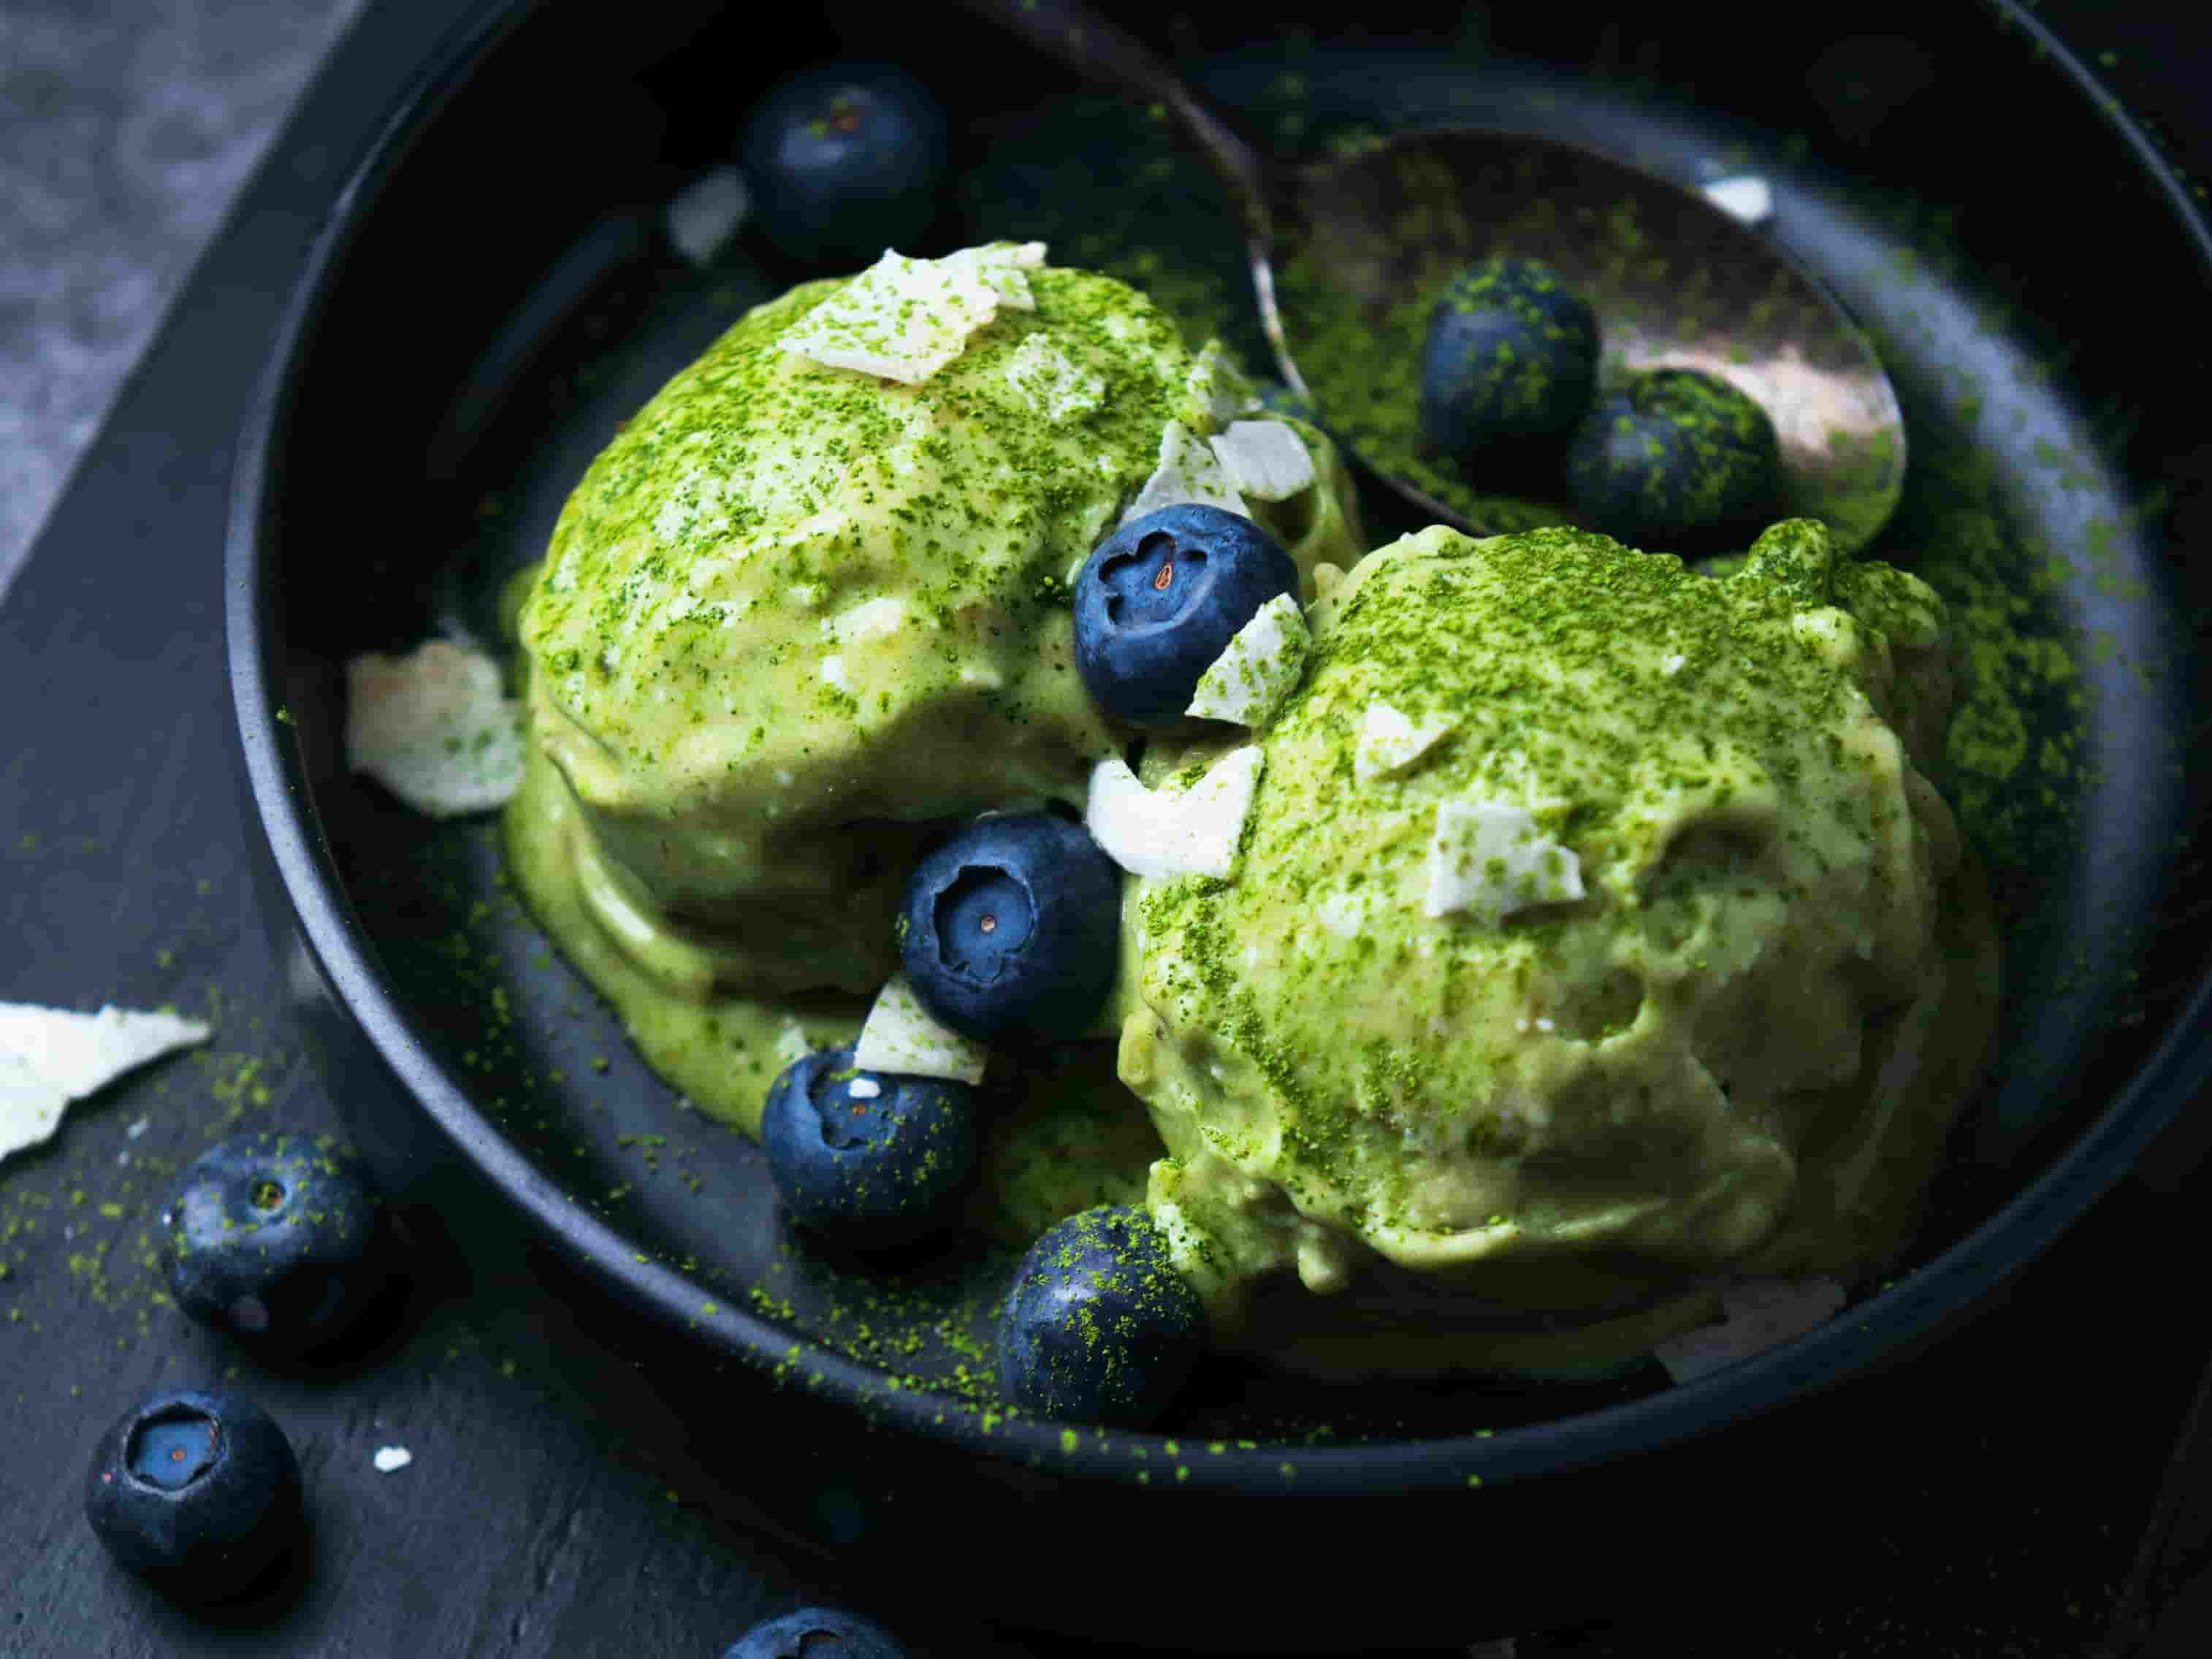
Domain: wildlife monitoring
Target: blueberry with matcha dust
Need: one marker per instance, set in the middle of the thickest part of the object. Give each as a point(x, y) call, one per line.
point(1279, 399)
point(1160, 597)
point(198, 1493)
point(817, 1633)
point(872, 1160)
point(1509, 358)
point(276, 1241)
point(1675, 457)
point(1011, 926)
point(1099, 1328)
point(844, 160)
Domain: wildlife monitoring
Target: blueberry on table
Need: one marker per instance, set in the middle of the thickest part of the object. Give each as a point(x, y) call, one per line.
point(1160, 597)
point(871, 1159)
point(275, 1240)
point(197, 1491)
point(1511, 354)
point(844, 160)
point(1676, 453)
point(1012, 924)
point(1099, 1328)
point(817, 1633)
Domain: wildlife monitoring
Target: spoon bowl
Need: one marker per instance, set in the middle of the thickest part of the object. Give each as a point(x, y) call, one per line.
point(1676, 281)
point(1348, 254)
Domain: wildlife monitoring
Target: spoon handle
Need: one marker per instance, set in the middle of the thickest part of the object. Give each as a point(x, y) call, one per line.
point(1075, 35)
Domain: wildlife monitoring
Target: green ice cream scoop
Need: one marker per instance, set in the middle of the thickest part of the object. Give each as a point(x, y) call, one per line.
point(1588, 925)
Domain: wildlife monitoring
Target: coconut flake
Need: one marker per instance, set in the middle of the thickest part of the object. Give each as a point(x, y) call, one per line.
point(1173, 832)
point(903, 319)
point(1000, 267)
point(1747, 198)
point(390, 1458)
point(1214, 391)
point(51, 1056)
point(1389, 740)
point(703, 216)
point(30, 1106)
point(1188, 470)
point(1052, 383)
point(1758, 1315)
point(1258, 669)
point(436, 727)
point(1265, 460)
point(903, 1038)
point(1488, 859)
point(83, 1052)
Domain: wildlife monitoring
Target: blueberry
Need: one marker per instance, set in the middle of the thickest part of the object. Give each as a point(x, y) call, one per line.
point(1676, 453)
point(1012, 924)
point(1158, 599)
point(870, 1158)
point(197, 1491)
point(1511, 354)
point(844, 160)
point(1099, 1328)
point(817, 1633)
point(1279, 399)
point(275, 1240)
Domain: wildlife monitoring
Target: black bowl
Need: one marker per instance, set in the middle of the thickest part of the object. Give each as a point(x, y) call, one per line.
point(488, 299)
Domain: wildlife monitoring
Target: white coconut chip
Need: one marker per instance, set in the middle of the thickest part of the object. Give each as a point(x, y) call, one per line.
point(903, 319)
point(1758, 1315)
point(1746, 198)
point(1265, 460)
point(1389, 740)
point(51, 1056)
point(901, 1037)
point(1173, 832)
point(999, 267)
point(390, 1458)
point(703, 216)
point(1258, 669)
point(1052, 383)
point(1488, 859)
point(30, 1106)
point(436, 727)
point(1188, 470)
point(1214, 392)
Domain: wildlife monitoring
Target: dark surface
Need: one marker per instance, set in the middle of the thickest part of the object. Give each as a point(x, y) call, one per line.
point(548, 1510)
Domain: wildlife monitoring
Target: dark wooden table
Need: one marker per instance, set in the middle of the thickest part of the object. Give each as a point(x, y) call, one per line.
point(549, 1508)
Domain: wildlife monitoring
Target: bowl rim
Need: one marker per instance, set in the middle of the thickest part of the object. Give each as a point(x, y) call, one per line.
point(1894, 1321)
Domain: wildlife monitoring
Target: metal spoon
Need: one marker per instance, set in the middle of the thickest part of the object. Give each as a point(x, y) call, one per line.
point(1674, 278)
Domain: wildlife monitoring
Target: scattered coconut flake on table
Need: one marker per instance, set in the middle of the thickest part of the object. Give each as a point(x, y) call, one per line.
point(389, 1458)
point(703, 216)
point(436, 727)
point(903, 1038)
point(1390, 740)
point(30, 1106)
point(51, 1056)
point(1173, 832)
point(1746, 198)
point(1052, 383)
point(1265, 460)
point(1757, 1315)
point(1488, 859)
point(1258, 669)
point(903, 319)
point(1188, 470)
